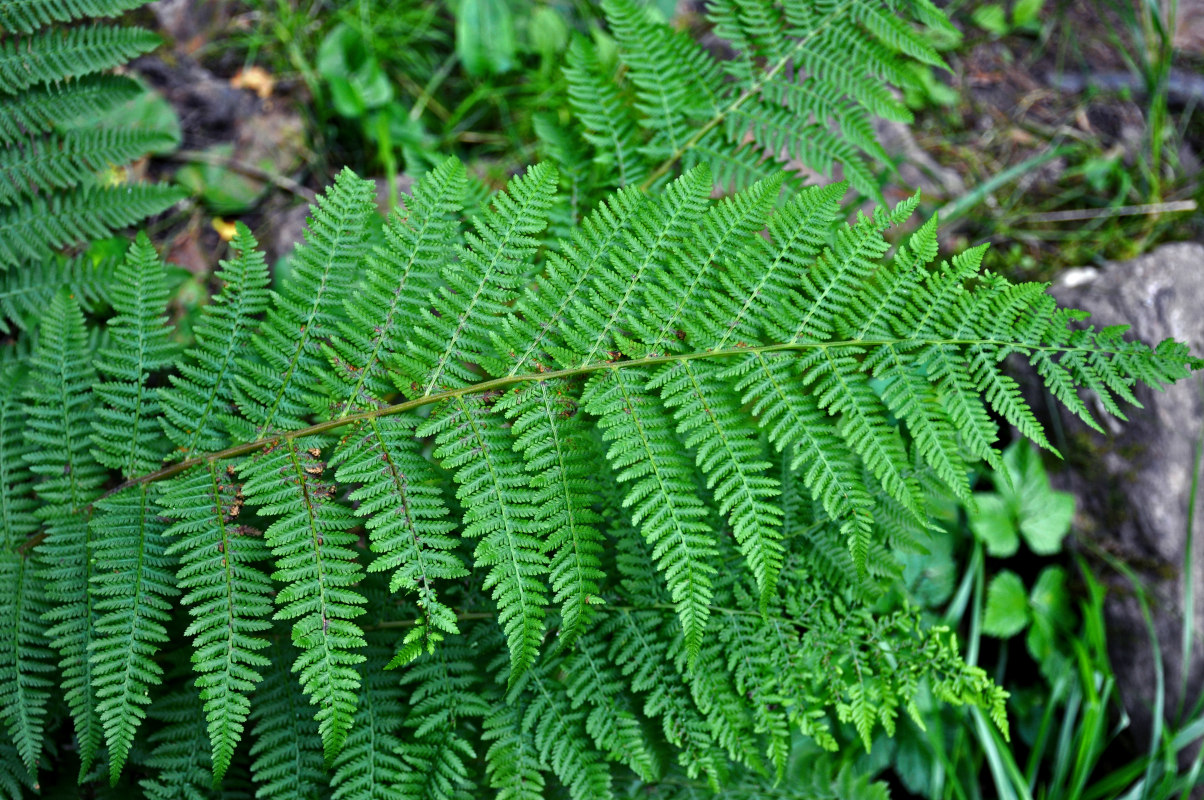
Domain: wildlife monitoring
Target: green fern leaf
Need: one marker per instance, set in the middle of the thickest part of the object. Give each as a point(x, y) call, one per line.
point(286, 760)
point(729, 453)
point(228, 595)
point(277, 391)
point(499, 506)
point(608, 123)
point(556, 449)
point(32, 230)
point(368, 766)
point(71, 158)
point(61, 106)
point(512, 762)
point(59, 409)
point(26, 16)
point(194, 406)
point(180, 754)
point(129, 592)
point(315, 560)
point(662, 497)
point(50, 56)
point(140, 346)
point(400, 276)
point(406, 518)
point(26, 292)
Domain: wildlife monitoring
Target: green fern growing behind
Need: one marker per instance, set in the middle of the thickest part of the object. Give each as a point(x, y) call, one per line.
point(61, 152)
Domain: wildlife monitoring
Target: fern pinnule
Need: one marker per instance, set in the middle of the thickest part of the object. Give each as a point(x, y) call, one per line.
point(72, 158)
point(228, 595)
point(34, 229)
point(499, 508)
point(662, 497)
point(286, 760)
point(59, 405)
point(315, 558)
point(49, 56)
point(608, 123)
point(140, 344)
point(369, 767)
point(279, 389)
point(557, 450)
point(25, 656)
point(407, 520)
point(196, 404)
point(493, 264)
point(129, 592)
point(419, 241)
point(731, 455)
point(27, 16)
point(63, 106)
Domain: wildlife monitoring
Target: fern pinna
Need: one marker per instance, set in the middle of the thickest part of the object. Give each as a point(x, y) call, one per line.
point(460, 506)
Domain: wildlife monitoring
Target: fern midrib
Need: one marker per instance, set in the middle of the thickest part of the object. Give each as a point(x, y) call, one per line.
point(566, 495)
point(379, 340)
point(233, 342)
point(227, 572)
point(504, 510)
point(496, 384)
point(329, 689)
point(635, 282)
point(678, 533)
point(401, 487)
point(519, 216)
point(743, 97)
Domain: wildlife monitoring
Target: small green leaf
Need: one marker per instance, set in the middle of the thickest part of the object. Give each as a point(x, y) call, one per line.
point(994, 525)
point(485, 39)
point(1007, 606)
point(1052, 616)
point(991, 18)
point(1026, 11)
point(1045, 521)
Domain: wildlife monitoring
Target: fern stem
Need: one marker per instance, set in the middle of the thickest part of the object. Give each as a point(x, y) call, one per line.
point(498, 384)
point(741, 99)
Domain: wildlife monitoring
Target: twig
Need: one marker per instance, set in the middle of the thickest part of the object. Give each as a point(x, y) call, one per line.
point(1153, 209)
point(250, 170)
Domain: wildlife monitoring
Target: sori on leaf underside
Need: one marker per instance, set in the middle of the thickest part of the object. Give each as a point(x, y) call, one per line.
point(631, 493)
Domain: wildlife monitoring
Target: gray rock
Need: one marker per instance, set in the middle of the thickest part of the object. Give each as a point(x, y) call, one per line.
point(1134, 486)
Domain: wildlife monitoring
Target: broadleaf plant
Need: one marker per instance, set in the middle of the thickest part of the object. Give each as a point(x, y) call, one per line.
point(517, 500)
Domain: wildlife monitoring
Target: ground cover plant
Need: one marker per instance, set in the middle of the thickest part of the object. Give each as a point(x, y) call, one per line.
point(595, 485)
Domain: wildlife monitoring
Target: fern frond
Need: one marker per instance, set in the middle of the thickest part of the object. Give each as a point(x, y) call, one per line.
point(61, 106)
point(180, 754)
point(60, 409)
point(140, 345)
point(32, 230)
point(400, 276)
point(27, 16)
point(612, 721)
point(24, 652)
point(55, 55)
point(68, 159)
point(618, 290)
point(608, 124)
point(499, 506)
point(26, 292)
point(556, 449)
point(196, 405)
point(493, 265)
point(512, 762)
point(315, 560)
point(286, 760)
point(278, 390)
point(228, 595)
point(444, 692)
point(662, 497)
point(129, 592)
point(730, 454)
point(368, 766)
point(407, 520)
